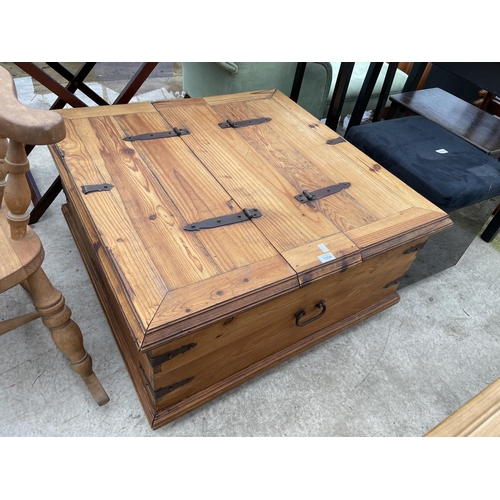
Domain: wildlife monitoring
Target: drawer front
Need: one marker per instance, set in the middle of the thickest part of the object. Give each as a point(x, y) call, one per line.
point(188, 365)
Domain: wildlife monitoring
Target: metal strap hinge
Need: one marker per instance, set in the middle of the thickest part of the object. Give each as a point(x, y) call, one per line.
point(159, 360)
point(321, 193)
point(244, 123)
point(161, 392)
point(337, 140)
point(93, 188)
point(175, 132)
point(224, 220)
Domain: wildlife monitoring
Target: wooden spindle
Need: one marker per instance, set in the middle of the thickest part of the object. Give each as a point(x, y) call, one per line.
point(3, 169)
point(66, 334)
point(17, 192)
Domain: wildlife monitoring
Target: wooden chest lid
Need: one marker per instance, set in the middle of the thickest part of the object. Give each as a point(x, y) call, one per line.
point(172, 280)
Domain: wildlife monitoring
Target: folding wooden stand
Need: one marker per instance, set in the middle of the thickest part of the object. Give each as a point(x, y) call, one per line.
point(66, 96)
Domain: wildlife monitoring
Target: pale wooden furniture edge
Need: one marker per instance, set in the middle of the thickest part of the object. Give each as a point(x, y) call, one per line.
point(479, 417)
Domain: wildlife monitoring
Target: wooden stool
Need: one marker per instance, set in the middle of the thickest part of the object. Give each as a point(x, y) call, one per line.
point(21, 251)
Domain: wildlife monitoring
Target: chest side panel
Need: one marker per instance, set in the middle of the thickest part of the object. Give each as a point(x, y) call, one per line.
point(208, 356)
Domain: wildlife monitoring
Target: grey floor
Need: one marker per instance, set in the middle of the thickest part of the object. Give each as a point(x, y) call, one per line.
point(397, 374)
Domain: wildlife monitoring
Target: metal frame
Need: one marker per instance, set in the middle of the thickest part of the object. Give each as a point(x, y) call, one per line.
point(364, 94)
point(339, 93)
point(66, 96)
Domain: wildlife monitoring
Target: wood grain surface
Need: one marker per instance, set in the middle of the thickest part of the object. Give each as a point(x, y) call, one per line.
point(228, 297)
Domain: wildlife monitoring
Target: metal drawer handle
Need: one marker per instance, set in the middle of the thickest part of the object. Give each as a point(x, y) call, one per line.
point(321, 304)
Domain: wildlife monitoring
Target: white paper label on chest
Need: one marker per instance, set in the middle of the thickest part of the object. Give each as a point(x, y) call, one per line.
point(326, 257)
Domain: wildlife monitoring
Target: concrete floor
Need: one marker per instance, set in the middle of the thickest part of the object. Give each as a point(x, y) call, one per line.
point(397, 374)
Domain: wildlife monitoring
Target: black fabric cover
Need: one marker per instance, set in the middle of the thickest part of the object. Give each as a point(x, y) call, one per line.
point(407, 148)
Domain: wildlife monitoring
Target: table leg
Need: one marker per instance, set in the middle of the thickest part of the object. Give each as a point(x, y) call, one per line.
point(46, 200)
point(76, 82)
point(47, 81)
point(492, 229)
point(297, 81)
point(135, 83)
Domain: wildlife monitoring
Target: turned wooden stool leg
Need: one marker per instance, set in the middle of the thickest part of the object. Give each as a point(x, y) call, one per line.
point(66, 334)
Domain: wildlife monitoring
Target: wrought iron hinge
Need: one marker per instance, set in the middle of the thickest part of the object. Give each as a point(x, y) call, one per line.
point(321, 193)
point(93, 188)
point(175, 132)
point(161, 392)
point(244, 123)
point(224, 220)
point(415, 248)
point(159, 360)
point(394, 282)
point(337, 140)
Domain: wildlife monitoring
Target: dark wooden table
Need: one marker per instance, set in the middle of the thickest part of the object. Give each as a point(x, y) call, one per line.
point(486, 75)
point(66, 95)
point(468, 122)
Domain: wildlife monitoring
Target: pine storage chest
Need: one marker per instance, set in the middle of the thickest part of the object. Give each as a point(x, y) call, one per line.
point(224, 235)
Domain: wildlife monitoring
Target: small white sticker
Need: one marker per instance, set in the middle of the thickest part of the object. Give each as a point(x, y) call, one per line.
point(441, 151)
point(326, 257)
point(323, 247)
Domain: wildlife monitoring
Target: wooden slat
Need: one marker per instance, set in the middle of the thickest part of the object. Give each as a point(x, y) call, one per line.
point(197, 195)
point(129, 255)
point(306, 261)
point(118, 109)
point(255, 95)
point(399, 228)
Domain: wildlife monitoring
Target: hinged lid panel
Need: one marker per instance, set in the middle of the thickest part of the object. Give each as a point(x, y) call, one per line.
point(160, 187)
point(290, 153)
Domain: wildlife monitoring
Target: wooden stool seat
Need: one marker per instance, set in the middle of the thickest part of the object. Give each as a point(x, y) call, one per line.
point(21, 252)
